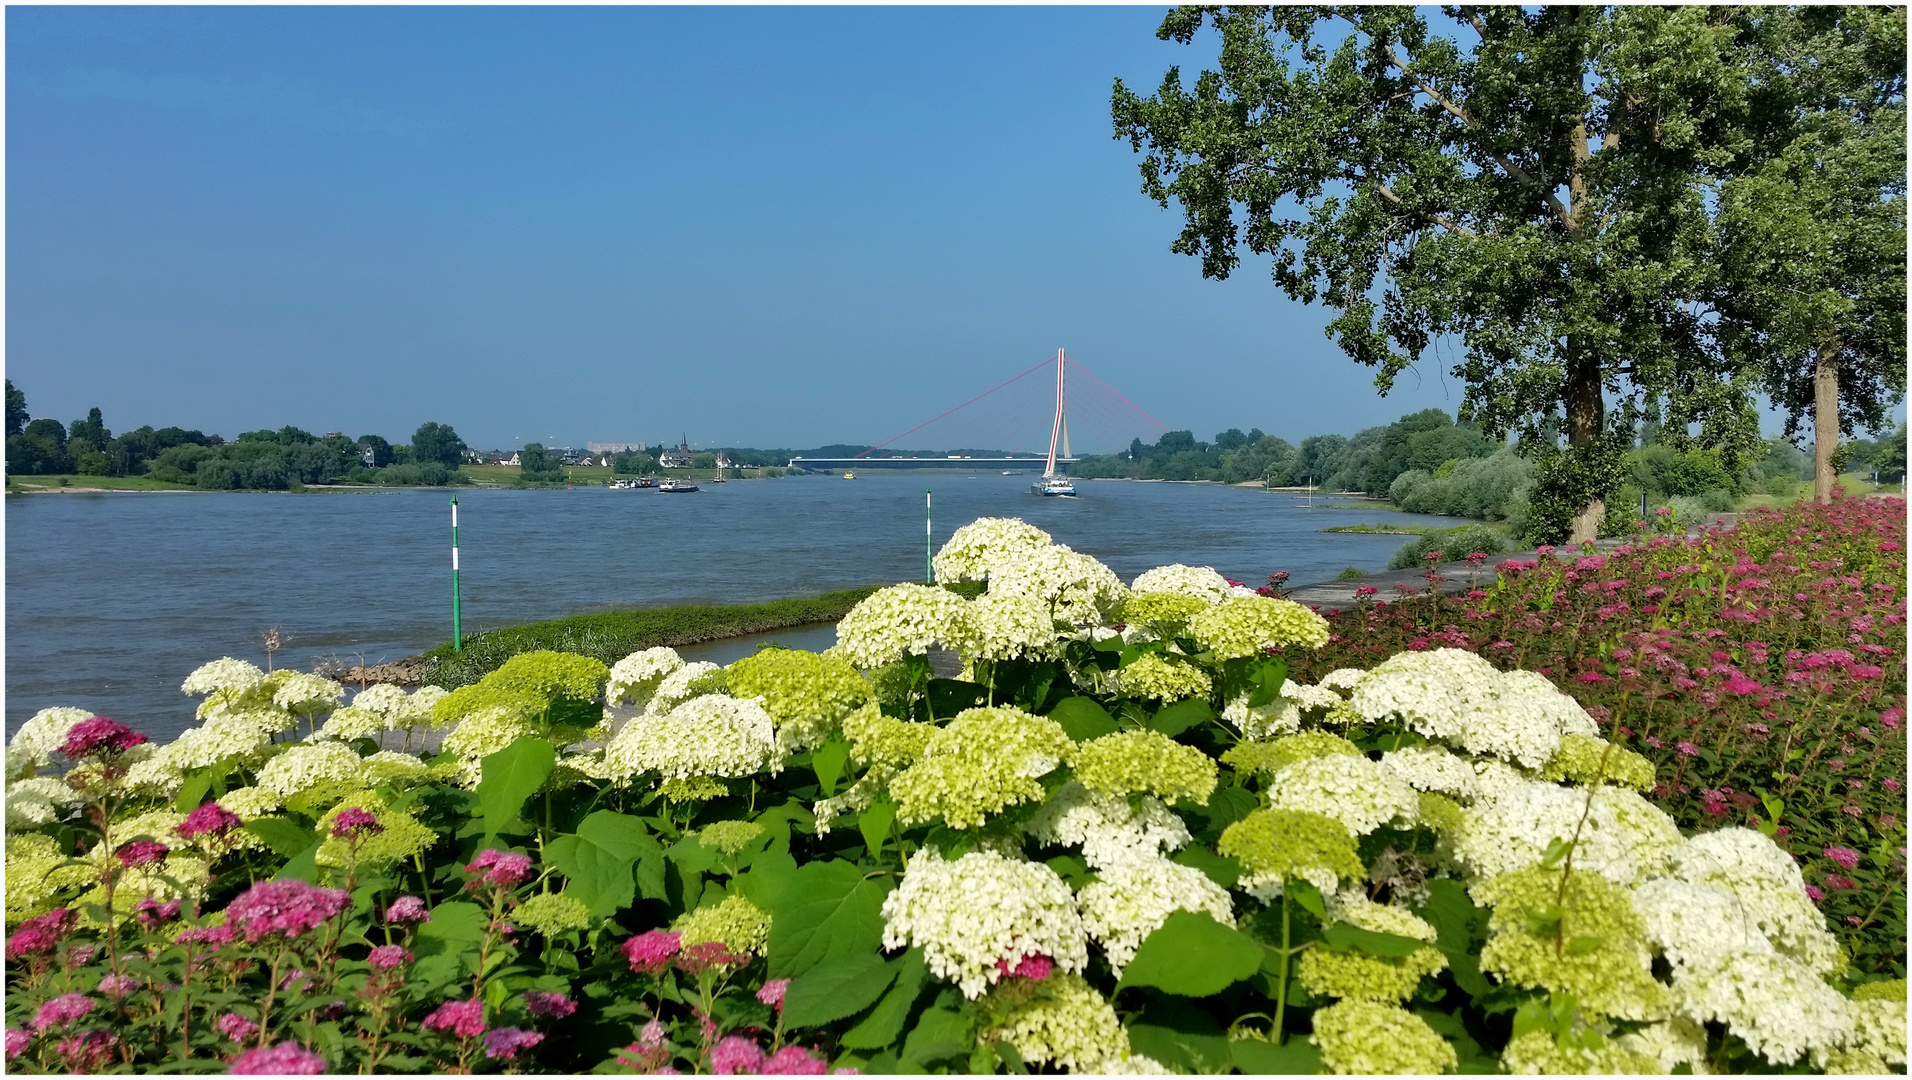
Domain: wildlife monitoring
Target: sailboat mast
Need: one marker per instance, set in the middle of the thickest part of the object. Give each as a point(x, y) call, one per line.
point(1055, 430)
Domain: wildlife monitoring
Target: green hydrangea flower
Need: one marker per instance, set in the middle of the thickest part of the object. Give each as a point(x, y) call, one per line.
point(1268, 758)
point(879, 740)
point(552, 914)
point(692, 789)
point(486, 697)
point(983, 762)
point(1362, 977)
point(1597, 954)
point(729, 837)
point(1440, 813)
point(1275, 845)
point(1245, 625)
point(741, 925)
point(1364, 1038)
point(1885, 990)
point(1154, 676)
point(1145, 763)
point(548, 674)
point(1584, 759)
point(1165, 613)
point(807, 694)
point(35, 875)
point(400, 835)
point(1538, 1053)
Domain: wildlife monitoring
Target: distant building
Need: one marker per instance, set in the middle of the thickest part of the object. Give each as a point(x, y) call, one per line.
point(679, 458)
point(615, 447)
point(516, 459)
point(724, 462)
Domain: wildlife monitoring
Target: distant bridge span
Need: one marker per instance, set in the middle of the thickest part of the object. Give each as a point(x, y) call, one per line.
point(854, 463)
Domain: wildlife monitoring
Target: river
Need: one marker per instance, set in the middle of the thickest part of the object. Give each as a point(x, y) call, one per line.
point(113, 598)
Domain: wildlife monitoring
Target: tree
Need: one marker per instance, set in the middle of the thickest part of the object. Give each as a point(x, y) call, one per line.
point(438, 442)
point(1525, 181)
point(1812, 232)
point(381, 450)
point(91, 431)
point(16, 410)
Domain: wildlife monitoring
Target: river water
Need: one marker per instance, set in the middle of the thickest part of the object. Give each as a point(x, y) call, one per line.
point(113, 598)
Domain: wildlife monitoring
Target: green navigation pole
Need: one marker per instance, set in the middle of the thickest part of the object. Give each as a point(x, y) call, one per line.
point(457, 637)
point(929, 576)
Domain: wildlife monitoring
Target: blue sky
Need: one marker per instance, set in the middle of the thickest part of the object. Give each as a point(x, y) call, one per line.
point(761, 226)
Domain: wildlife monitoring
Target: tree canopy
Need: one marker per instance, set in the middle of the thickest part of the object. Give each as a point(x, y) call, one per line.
point(438, 442)
point(1528, 182)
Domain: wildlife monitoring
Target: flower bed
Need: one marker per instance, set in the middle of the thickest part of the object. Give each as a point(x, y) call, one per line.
point(1130, 838)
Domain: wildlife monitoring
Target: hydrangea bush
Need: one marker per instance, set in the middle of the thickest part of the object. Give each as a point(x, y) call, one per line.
point(1109, 846)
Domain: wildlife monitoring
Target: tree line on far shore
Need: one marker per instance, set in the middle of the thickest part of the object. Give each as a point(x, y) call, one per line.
point(257, 460)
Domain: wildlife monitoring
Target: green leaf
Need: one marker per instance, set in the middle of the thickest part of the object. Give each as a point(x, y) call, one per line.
point(1071, 868)
point(456, 928)
point(1220, 869)
point(885, 1022)
point(1307, 895)
point(509, 777)
point(1296, 1056)
point(690, 854)
point(947, 697)
point(836, 988)
point(193, 791)
point(829, 911)
point(1083, 719)
point(828, 760)
point(1454, 916)
point(1267, 677)
point(303, 866)
point(284, 836)
point(1011, 1059)
point(600, 858)
point(1193, 955)
point(1185, 1038)
point(1181, 716)
point(1341, 937)
point(939, 1033)
point(875, 825)
point(763, 884)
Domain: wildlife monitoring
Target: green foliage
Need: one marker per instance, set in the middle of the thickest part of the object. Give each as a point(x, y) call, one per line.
point(507, 779)
point(1453, 544)
point(829, 912)
point(1193, 955)
point(599, 860)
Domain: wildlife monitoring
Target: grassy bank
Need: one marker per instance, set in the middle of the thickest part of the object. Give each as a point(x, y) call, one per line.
point(612, 635)
point(76, 482)
point(1383, 530)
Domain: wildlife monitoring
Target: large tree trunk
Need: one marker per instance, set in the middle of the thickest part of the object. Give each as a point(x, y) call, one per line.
point(1586, 417)
point(1825, 423)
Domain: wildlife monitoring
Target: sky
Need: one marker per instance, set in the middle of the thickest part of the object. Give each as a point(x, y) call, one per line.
point(756, 226)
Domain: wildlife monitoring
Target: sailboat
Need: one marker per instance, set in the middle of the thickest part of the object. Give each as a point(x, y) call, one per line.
point(1054, 483)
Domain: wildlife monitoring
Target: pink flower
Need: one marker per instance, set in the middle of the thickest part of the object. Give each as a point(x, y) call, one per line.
point(293, 978)
point(407, 909)
point(236, 1027)
point(771, 992)
point(465, 1019)
point(151, 913)
point(99, 736)
point(1840, 882)
point(735, 1055)
point(1687, 749)
point(118, 986)
point(504, 1043)
point(286, 907)
point(17, 1041)
point(87, 1053)
point(794, 1061)
point(506, 868)
point(209, 818)
point(215, 936)
point(708, 954)
point(651, 951)
point(62, 1011)
point(555, 1006)
point(353, 822)
point(1891, 784)
point(141, 852)
point(1844, 856)
point(1740, 684)
point(1033, 966)
point(286, 1059)
point(39, 934)
point(387, 957)
point(1365, 590)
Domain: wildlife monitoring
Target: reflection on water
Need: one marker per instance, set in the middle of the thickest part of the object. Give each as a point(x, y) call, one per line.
point(112, 599)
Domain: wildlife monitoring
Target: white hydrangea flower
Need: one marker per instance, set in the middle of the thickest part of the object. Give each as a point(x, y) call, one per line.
point(252, 802)
point(1006, 626)
point(675, 688)
point(1342, 680)
point(418, 706)
point(1111, 830)
point(1694, 925)
point(975, 551)
point(901, 620)
point(1522, 728)
point(242, 735)
point(1781, 1008)
point(635, 677)
point(353, 722)
point(1074, 588)
point(1061, 1020)
point(1430, 768)
point(303, 766)
point(382, 698)
point(1672, 1042)
point(1132, 1065)
point(1260, 723)
point(394, 765)
point(1879, 1029)
point(1492, 779)
point(1546, 698)
point(32, 747)
point(1361, 794)
point(1311, 699)
point(481, 734)
point(1200, 582)
point(1130, 901)
point(713, 735)
point(1625, 838)
point(968, 913)
point(1354, 908)
point(1746, 865)
point(154, 776)
point(302, 693)
point(37, 801)
point(855, 799)
point(222, 674)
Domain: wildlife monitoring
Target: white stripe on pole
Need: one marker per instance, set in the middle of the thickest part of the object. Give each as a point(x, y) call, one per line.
point(454, 556)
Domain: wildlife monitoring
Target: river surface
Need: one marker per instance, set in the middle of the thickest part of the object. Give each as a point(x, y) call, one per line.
point(113, 598)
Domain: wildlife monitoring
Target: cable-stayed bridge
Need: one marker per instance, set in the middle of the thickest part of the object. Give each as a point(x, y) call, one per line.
point(1012, 414)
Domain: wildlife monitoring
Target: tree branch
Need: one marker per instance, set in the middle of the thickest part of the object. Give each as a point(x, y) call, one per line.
point(1439, 219)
